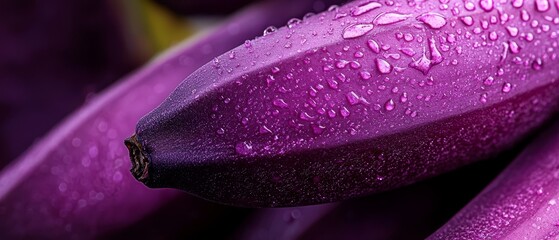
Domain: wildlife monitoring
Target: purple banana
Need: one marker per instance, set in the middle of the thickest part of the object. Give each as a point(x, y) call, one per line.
point(358, 99)
point(521, 203)
point(72, 184)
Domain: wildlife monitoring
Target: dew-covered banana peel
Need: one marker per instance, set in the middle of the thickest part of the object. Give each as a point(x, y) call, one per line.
point(522, 203)
point(358, 99)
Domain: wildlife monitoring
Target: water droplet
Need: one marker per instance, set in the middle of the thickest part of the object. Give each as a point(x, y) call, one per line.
point(486, 5)
point(317, 129)
point(390, 18)
point(364, 8)
point(493, 36)
point(389, 105)
point(341, 64)
point(524, 15)
point(537, 64)
point(383, 66)
point(542, 5)
point(344, 112)
point(332, 83)
point(264, 130)
point(333, 8)
point(305, 116)
point(293, 22)
point(507, 87)
point(365, 75)
point(514, 48)
point(373, 45)
point(358, 54)
point(357, 30)
point(470, 6)
point(489, 81)
point(404, 97)
point(436, 56)
point(332, 113)
point(355, 65)
point(269, 30)
point(243, 148)
point(467, 20)
point(352, 98)
point(517, 3)
point(433, 20)
point(408, 51)
point(408, 37)
point(422, 64)
point(341, 77)
point(513, 31)
point(248, 44)
point(483, 98)
point(280, 103)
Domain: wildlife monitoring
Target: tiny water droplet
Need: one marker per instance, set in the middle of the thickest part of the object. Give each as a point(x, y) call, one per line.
point(365, 75)
point(483, 98)
point(433, 20)
point(280, 103)
point(318, 129)
point(470, 6)
point(373, 45)
point(264, 130)
point(513, 46)
point(422, 64)
point(486, 5)
point(269, 30)
point(243, 148)
point(524, 15)
point(383, 66)
point(489, 81)
point(408, 51)
point(352, 98)
point(436, 56)
point(364, 8)
point(357, 30)
point(390, 18)
point(513, 31)
point(542, 5)
point(467, 20)
point(344, 112)
point(293, 22)
point(389, 105)
point(517, 3)
point(507, 87)
point(305, 116)
point(537, 64)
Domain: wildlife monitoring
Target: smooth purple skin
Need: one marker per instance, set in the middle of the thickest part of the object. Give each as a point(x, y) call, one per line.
point(521, 203)
point(74, 182)
point(253, 127)
point(53, 55)
point(283, 223)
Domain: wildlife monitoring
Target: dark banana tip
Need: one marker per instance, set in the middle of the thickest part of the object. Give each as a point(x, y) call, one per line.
point(140, 162)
